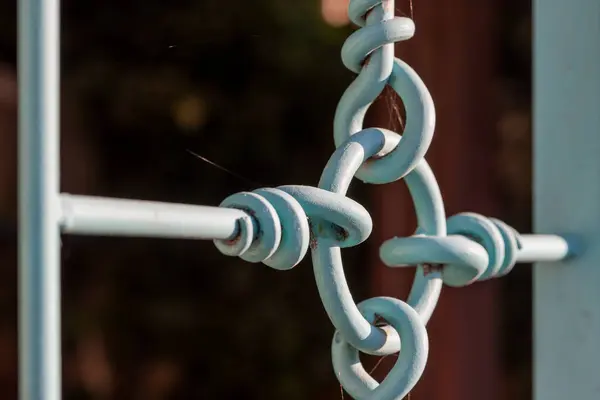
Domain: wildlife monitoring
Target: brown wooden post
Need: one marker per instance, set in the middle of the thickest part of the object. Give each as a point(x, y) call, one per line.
point(454, 51)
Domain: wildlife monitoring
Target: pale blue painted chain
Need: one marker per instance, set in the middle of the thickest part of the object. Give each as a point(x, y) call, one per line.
point(283, 223)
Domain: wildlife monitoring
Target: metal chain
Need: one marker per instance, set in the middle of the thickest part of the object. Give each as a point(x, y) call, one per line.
point(281, 224)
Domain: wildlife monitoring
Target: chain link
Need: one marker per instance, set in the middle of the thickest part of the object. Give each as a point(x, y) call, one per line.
point(283, 223)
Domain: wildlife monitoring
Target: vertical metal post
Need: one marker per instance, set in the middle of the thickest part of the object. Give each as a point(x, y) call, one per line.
point(39, 209)
point(567, 196)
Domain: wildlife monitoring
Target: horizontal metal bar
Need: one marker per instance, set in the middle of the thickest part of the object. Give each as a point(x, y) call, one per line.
point(543, 248)
point(122, 217)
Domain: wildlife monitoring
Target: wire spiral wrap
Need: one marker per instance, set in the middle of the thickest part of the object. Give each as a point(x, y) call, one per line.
point(375, 42)
point(476, 248)
point(276, 231)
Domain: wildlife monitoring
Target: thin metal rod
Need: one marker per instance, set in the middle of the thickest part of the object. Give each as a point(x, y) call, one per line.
point(544, 248)
point(122, 217)
point(39, 236)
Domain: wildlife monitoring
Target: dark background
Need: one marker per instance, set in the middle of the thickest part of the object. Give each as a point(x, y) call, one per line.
point(253, 86)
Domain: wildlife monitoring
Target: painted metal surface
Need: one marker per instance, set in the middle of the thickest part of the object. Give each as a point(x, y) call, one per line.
point(566, 193)
point(39, 209)
point(277, 226)
point(86, 215)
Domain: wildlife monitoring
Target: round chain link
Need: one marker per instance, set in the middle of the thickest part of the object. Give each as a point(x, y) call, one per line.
point(327, 260)
point(408, 367)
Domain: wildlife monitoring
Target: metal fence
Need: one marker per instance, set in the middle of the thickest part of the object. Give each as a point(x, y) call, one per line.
point(279, 226)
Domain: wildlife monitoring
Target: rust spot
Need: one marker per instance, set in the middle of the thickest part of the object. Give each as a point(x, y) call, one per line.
point(312, 243)
point(252, 213)
point(233, 241)
point(431, 268)
point(340, 233)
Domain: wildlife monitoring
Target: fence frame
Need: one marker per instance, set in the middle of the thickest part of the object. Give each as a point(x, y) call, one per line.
point(567, 135)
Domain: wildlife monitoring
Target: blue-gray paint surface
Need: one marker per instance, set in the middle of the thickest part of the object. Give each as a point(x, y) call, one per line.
point(39, 208)
point(567, 197)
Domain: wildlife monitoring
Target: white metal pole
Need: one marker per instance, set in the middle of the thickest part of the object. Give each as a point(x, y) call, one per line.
point(86, 215)
point(39, 209)
point(567, 197)
point(540, 248)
